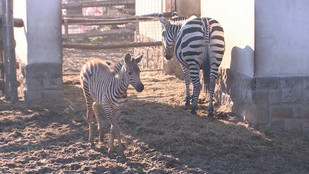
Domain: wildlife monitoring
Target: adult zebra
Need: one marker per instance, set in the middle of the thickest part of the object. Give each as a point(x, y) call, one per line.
point(106, 86)
point(198, 43)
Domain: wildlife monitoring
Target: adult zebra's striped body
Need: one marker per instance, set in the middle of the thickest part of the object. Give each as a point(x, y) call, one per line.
point(108, 87)
point(198, 43)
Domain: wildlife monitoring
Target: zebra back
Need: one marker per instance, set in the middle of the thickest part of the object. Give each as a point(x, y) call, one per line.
point(209, 31)
point(94, 67)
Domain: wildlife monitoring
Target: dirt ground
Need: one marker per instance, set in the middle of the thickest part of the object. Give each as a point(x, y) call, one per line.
point(159, 136)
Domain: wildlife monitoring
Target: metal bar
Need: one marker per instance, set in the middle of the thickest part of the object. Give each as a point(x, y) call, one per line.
point(5, 51)
point(143, 70)
point(9, 51)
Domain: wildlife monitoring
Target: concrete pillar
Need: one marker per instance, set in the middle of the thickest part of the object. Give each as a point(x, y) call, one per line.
point(39, 49)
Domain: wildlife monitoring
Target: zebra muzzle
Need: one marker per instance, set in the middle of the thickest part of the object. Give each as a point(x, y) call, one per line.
point(168, 56)
point(139, 87)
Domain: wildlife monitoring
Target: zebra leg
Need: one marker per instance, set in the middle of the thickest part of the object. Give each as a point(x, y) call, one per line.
point(90, 122)
point(118, 134)
point(114, 132)
point(186, 77)
point(211, 93)
point(111, 142)
point(100, 125)
point(196, 90)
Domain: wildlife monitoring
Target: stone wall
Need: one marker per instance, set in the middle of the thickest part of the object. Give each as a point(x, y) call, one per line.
point(276, 102)
point(44, 81)
point(286, 99)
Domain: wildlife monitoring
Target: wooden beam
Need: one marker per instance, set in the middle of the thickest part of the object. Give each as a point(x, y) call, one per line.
point(97, 21)
point(17, 22)
point(118, 32)
point(98, 3)
point(106, 16)
point(111, 46)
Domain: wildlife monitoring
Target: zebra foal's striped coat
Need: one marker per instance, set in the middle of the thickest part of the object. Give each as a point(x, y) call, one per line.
point(198, 43)
point(108, 87)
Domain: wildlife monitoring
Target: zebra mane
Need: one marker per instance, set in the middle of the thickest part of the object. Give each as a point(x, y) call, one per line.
point(117, 68)
point(179, 20)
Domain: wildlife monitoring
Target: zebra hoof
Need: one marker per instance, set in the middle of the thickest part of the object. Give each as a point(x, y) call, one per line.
point(121, 153)
point(111, 155)
point(193, 112)
point(210, 115)
point(91, 145)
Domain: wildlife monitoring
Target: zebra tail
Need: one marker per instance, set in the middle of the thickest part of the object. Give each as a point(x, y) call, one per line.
point(206, 68)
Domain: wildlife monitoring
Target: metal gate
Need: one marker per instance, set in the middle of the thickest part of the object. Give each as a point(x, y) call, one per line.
point(8, 65)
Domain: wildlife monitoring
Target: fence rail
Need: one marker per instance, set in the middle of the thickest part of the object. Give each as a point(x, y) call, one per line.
point(111, 46)
point(98, 3)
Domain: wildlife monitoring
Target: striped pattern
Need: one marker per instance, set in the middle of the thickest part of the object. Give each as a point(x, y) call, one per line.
point(106, 86)
point(198, 43)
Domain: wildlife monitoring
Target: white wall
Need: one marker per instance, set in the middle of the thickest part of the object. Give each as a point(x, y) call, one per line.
point(282, 36)
point(237, 20)
point(44, 31)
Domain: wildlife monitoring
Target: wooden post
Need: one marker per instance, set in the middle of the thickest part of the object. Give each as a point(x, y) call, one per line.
point(4, 48)
point(1, 65)
point(9, 51)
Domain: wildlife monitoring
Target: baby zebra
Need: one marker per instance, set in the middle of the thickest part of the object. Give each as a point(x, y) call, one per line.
point(105, 86)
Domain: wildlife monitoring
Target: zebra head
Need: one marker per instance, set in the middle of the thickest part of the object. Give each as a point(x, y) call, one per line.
point(169, 35)
point(133, 72)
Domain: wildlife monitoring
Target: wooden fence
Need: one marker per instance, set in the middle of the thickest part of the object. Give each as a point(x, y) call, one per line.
point(107, 19)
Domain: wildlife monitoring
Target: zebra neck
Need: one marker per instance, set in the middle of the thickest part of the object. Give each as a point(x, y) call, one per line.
point(121, 84)
point(176, 31)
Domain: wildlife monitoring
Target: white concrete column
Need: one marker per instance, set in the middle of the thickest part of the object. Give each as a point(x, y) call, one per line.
point(39, 49)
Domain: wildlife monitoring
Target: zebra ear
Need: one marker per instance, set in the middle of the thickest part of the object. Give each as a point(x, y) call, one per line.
point(127, 58)
point(162, 19)
point(138, 59)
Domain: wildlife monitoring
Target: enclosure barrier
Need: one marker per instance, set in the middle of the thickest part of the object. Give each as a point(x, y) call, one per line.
point(114, 25)
point(8, 65)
